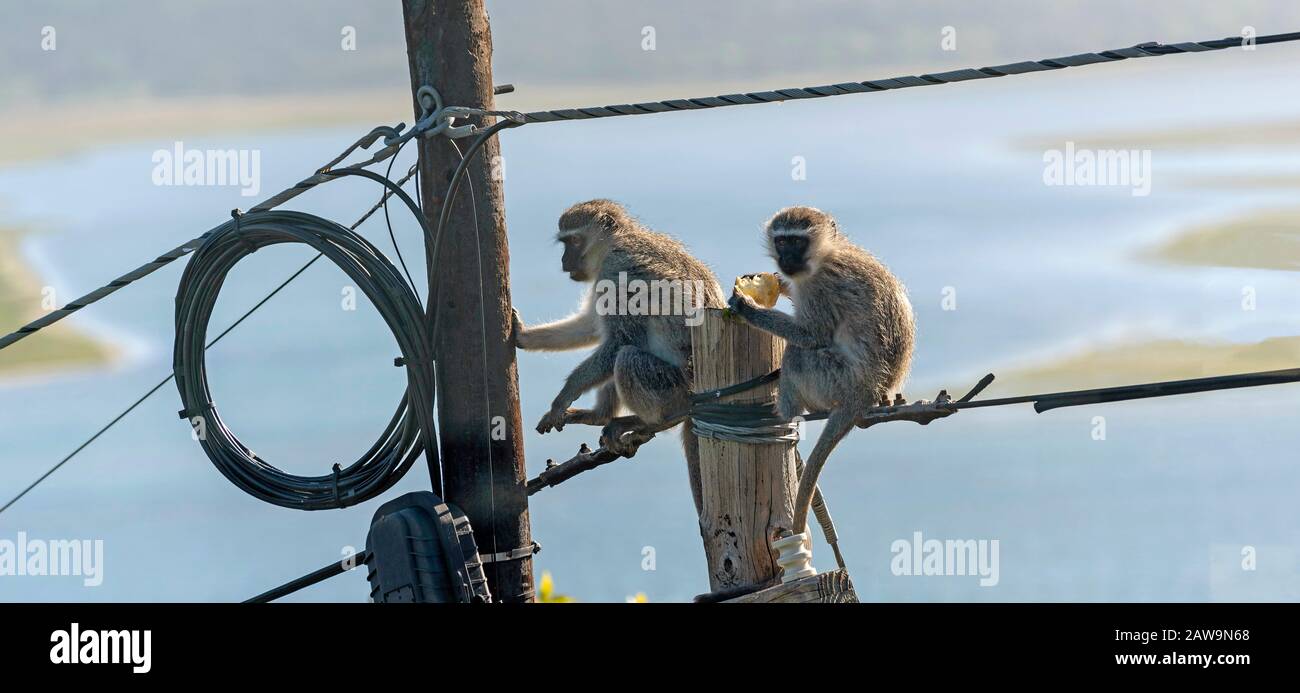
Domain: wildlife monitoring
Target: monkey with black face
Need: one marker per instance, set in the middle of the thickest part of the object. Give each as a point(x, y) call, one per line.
point(642, 358)
point(849, 342)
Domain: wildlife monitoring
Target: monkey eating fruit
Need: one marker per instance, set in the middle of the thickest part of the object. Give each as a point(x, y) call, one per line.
point(849, 342)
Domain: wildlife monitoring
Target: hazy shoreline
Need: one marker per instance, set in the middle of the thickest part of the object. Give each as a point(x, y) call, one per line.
point(1266, 134)
point(1260, 238)
point(55, 349)
point(1266, 239)
point(27, 134)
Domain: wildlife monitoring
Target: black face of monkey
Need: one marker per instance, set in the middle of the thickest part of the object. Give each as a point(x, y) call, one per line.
point(571, 261)
point(791, 252)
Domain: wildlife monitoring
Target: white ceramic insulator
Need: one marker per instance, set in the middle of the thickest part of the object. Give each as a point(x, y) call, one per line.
point(795, 557)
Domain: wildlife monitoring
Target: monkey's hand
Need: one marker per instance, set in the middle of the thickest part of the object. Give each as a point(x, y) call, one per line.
point(783, 286)
point(516, 329)
point(554, 420)
point(741, 305)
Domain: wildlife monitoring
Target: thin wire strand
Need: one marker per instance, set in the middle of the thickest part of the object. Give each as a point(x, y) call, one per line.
point(155, 388)
point(487, 399)
point(383, 200)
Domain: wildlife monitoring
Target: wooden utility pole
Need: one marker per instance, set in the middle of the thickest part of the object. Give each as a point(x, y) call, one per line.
point(449, 47)
point(748, 489)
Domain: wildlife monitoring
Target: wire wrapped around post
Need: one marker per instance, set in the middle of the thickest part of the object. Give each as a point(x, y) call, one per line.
point(759, 424)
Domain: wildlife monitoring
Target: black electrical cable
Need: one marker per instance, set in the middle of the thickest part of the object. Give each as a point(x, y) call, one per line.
point(383, 201)
point(314, 577)
point(408, 434)
point(453, 185)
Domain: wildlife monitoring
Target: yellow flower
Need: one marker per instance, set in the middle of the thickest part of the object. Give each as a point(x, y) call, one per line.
point(638, 598)
point(546, 591)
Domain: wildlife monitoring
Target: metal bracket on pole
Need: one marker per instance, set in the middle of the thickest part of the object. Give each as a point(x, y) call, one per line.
point(511, 555)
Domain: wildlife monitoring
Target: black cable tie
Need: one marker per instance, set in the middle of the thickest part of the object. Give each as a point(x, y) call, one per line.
point(338, 501)
point(240, 239)
point(979, 387)
point(719, 393)
point(190, 413)
point(401, 361)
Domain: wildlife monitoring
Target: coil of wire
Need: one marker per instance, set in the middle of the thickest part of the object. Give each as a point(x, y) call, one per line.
point(408, 434)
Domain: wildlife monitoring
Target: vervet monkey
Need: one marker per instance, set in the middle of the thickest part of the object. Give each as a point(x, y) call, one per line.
point(642, 356)
point(849, 342)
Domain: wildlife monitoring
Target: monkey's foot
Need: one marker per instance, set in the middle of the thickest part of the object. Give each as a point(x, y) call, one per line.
point(624, 436)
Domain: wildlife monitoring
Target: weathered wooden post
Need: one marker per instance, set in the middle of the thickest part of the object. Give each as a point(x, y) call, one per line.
point(748, 489)
point(449, 46)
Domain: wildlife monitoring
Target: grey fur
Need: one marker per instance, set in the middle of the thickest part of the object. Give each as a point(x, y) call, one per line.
point(848, 344)
point(641, 362)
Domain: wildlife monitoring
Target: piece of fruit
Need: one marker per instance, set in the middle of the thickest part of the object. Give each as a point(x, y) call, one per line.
point(762, 288)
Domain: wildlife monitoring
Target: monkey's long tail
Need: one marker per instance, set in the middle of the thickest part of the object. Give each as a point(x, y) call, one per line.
point(822, 513)
point(691, 445)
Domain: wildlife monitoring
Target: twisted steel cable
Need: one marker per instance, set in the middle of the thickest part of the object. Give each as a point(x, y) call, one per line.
point(1142, 50)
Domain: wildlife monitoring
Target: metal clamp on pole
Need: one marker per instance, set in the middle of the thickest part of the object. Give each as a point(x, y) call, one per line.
point(511, 555)
point(437, 119)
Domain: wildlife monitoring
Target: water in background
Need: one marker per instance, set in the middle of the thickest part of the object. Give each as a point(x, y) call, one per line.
point(925, 178)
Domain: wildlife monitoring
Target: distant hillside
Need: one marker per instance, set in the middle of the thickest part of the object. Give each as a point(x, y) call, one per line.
point(152, 47)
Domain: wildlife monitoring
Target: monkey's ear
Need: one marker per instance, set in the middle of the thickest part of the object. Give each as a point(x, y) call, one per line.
point(606, 221)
